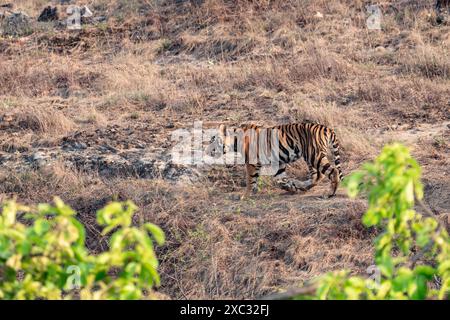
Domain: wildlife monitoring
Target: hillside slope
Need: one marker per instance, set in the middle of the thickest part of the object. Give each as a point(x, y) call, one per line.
point(88, 115)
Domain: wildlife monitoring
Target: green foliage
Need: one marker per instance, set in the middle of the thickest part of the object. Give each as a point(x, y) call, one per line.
point(392, 184)
point(44, 257)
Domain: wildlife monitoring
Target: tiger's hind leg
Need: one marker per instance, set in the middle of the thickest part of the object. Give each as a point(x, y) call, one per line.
point(314, 177)
point(325, 168)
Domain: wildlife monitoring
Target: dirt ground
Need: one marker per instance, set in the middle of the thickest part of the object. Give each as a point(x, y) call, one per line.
point(89, 115)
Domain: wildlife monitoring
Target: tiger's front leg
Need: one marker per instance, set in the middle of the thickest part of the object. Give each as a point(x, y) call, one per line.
point(252, 175)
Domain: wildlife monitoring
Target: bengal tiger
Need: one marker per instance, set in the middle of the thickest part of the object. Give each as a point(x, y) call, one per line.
point(309, 141)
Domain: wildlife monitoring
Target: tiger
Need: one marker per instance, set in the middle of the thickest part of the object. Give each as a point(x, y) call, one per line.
point(309, 141)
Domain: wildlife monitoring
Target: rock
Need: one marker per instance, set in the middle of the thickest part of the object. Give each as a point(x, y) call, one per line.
point(250, 213)
point(16, 25)
point(49, 14)
point(380, 49)
point(7, 118)
point(38, 156)
point(63, 92)
point(80, 145)
point(235, 197)
point(38, 159)
point(99, 19)
point(105, 148)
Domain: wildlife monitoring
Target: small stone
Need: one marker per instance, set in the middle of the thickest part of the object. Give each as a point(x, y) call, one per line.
point(7, 118)
point(16, 25)
point(235, 197)
point(48, 14)
point(318, 15)
point(38, 156)
point(250, 213)
point(99, 19)
point(80, 145)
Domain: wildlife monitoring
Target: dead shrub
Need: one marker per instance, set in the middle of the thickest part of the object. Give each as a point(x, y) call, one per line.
point(39, 184)
point(31, 77)
point(43, 120)
point(318, 62)
point(426, 61)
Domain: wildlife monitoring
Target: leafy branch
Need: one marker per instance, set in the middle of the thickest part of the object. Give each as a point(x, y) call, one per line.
point(392, 185)
point(46, 257)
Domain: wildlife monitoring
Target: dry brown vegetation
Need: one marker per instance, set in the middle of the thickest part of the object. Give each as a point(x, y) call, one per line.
point(72, 103)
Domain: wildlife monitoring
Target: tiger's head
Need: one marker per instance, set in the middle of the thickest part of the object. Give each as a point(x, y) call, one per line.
point(218, 143)
point(227, 140)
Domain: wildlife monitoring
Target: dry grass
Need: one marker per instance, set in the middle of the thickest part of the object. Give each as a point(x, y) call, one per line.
point(37, 75)
point(427, 61)
point(43, 120)
point(217, 247)
point(155, 67)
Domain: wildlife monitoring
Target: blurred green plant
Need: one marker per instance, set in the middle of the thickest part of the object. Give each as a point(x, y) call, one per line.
point(44, 256)
point(392, 186)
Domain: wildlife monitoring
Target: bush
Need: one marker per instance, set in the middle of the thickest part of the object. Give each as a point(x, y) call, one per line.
point(392, 184)
point(44, 257)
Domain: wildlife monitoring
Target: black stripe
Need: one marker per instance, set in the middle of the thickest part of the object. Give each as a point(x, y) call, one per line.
point(319, 160)
point(325, 168)
point(280, 171)
point(289, 141)
point(296, 150)
point(283, 159)
point(313, 158)
point(283, 149)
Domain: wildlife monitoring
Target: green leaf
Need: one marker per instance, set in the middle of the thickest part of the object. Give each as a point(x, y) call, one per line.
point(371, 218)
point(41, 226)
point(157, 233)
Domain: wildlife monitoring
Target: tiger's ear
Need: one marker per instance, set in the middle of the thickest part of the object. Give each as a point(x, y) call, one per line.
point(222, 130)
